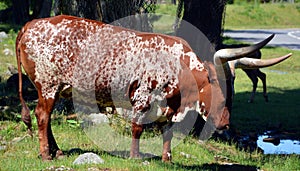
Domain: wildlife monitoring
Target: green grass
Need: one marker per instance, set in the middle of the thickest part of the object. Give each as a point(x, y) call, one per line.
point(283, 86)
point(9, 59)
point(262, 16)
point(245, 16)
point(23, 155)
point(166, 14)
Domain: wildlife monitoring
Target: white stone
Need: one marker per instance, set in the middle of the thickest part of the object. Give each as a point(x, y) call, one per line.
point(88, 158)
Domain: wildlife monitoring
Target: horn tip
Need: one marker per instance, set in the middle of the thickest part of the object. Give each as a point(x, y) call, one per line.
point(271, 37)
point(288, 55)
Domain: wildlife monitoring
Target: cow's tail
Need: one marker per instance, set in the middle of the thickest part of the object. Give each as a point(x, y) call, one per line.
point(25, 113)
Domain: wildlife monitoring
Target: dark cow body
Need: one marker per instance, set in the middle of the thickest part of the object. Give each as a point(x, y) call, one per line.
point(145, 67)
point(253, 74)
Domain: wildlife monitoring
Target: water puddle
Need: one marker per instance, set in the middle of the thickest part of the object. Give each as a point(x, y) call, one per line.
point(273, 145)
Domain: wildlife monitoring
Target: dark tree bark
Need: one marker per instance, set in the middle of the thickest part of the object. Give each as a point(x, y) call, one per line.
point(108, 11)
point(207, 16)
point(20, 11)
point(114, 10)
point(128, 13)
point(42, 8)
point(90, 9)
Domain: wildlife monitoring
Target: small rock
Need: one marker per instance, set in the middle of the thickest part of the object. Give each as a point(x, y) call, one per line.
point(88, 158)
point(185, 155)
point(3, 147)
point(182, 153)
point(55, 168)
point(3, 35)
point(98, 118)
point(146, 163)
point(7, 52)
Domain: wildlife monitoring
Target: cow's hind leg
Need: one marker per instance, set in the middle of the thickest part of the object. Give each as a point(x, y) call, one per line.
point(252, 74)
point(263, 78)
point(48, 146)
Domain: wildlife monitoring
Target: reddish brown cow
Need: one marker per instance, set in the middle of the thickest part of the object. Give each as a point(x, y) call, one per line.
point(148, 67)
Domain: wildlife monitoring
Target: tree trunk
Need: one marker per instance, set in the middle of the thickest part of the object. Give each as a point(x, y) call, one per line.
point(108, 11)
point(116, 9)
point(90, 9)
point(20, 11)
point(206, 16)
point(42, 9)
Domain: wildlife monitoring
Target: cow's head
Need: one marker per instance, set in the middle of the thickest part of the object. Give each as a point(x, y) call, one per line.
point(215, 110)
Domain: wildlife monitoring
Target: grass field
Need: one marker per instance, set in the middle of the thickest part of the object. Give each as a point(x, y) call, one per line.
point(246, 16)
point(20, 152)
point(262, 16)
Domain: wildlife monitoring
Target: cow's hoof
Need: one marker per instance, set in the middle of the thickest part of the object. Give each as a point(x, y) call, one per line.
point(45, 157)
point(167, 158)
point(59, 154)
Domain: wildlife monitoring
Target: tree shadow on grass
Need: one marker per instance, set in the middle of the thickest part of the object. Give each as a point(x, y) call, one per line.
point(281, 112)
point(10, 105)
point(220, 167)
point(170, 166)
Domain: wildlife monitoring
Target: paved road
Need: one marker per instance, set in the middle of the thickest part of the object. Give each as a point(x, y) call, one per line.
point(289, 38)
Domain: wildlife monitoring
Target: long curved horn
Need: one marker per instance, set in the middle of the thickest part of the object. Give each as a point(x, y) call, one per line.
point(224, 55)
point(250, 63)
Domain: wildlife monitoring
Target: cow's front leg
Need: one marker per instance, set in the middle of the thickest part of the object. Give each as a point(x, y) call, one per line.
point(167, 134)
point(137, 130)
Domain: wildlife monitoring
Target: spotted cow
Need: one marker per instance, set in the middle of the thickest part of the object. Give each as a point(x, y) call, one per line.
point(147, 67)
